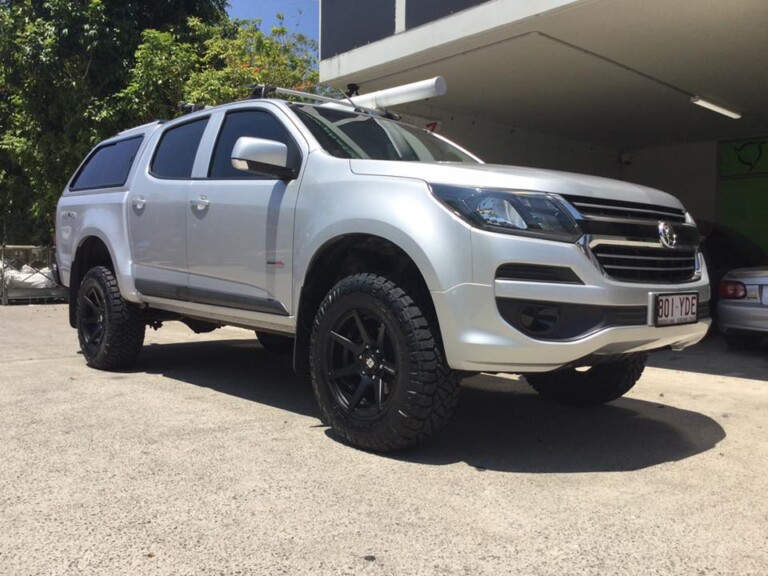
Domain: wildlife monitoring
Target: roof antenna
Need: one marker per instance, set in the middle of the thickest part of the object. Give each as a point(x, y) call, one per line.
point(351, 91)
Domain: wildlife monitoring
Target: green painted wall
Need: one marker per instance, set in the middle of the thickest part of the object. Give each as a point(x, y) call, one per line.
point(743, 187)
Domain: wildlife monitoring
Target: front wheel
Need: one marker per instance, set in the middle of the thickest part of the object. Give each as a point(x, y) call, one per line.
point(110, 330)
point(597, 385)
point(377, 371)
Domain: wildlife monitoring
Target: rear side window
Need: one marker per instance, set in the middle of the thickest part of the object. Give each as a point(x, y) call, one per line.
point(176, 152)
point(253, 123)
point(108, 166)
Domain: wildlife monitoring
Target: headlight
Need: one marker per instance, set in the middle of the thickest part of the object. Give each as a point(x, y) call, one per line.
point(524, 213)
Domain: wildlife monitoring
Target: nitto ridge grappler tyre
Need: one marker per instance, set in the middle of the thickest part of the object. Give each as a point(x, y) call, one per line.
point(597, 385)
point(110, 330)
point(377, 371)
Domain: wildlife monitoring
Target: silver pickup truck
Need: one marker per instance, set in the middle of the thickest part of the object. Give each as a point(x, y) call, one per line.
point(390, 261)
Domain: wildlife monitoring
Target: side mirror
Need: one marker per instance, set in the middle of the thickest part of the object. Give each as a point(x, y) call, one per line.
point(262, 156)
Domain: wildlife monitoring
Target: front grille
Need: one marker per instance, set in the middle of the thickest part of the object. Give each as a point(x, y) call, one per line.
point(625, 239)
point(615, 209)
point(641, 264)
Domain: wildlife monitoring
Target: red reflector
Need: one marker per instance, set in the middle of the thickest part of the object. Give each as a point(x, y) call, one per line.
point(732, 290)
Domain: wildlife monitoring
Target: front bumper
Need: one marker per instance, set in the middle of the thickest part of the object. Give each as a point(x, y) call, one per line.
point(477, 339)
point(476, 336)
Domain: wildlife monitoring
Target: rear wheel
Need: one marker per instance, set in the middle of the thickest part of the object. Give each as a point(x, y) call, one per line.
point(597, 385)
point(110, 330)
point(377, 371)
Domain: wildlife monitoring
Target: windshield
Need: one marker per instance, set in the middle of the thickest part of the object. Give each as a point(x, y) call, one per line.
point(350, 135)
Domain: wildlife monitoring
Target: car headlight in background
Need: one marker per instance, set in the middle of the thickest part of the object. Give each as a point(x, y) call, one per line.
point(524, 213)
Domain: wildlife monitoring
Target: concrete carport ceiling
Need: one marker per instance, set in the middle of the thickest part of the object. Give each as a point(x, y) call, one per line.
point(618, 73)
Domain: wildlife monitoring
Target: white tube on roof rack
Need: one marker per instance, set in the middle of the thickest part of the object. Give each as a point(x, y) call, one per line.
point(402, 94)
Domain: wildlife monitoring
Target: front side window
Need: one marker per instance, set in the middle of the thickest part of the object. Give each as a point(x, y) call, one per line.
point(254, 124)
point(108, 166)
point(175, 155)
point(350, 135)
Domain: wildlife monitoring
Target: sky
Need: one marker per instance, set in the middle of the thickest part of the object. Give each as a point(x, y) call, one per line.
point(301, 16)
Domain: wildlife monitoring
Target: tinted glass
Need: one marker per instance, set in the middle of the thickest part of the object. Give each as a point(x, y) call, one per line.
point(350, 135)
point(108, 166)
point(253, 123)
point(176, 152)
point(348, 24)
point(418, 12)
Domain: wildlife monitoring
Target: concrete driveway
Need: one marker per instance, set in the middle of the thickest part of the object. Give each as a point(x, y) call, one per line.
point(209, 459)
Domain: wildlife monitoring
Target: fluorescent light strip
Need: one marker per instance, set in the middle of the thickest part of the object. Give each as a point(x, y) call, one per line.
point(715, 108)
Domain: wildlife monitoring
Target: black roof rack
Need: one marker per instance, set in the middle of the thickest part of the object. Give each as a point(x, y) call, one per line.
point(189, 107)
point(260, 91)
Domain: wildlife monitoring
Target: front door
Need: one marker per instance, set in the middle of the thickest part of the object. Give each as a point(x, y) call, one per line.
point(240, 224)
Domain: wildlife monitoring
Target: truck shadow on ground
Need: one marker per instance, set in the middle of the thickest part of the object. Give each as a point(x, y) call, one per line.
point(240, 368)
point(512, 430)
point(518, 431)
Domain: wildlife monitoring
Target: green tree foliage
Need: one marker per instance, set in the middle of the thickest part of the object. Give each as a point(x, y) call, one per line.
point(239, 54)
point(161, 67)
point(73, 72)
point(213, 64)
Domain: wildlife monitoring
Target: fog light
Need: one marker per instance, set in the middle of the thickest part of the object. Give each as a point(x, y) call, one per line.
point(539, 320)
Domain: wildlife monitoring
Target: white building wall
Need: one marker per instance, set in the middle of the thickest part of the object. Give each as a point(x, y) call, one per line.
point(497, 143)
point(687, 171)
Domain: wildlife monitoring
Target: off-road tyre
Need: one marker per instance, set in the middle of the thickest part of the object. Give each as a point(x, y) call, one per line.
point(377, 371)
point(110, 330)
point(275, 343)
point(599, 384)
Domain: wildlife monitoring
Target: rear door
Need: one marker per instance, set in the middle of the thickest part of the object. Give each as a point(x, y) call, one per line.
point(158, 209)
point(240, 224)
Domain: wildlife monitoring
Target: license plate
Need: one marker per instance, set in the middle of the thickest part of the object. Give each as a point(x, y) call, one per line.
point(673, 309)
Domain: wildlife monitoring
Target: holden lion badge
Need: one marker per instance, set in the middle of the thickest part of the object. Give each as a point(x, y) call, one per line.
point(667, 235)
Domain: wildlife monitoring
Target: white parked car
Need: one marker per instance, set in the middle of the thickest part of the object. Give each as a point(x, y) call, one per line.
point(743, 307)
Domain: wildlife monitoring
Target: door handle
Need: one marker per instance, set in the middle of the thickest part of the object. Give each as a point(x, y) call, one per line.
point(201, 202)
point(139, 202)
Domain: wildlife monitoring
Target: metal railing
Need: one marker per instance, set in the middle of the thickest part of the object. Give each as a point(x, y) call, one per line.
point(26, 275)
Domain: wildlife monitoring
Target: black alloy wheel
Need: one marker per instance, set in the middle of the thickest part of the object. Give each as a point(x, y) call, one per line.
point(362, 373)
point(377, 370)
point(93, 319)
point(110, 329)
